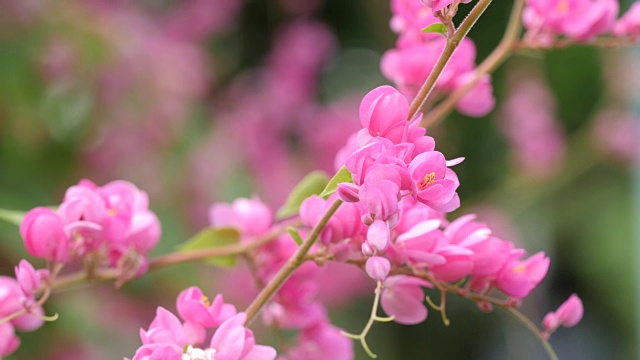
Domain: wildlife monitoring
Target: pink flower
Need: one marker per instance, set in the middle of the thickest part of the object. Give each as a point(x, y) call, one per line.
point(402, 298)
point(321, 341)
point(378, 267)
point(13, 299)
point(438, 5)
point(251, 216)
point(409, 66)
point(410, 15)
point(381, 200)
point(517, 278)
point(196, 308)
point(9, 342)
point(433, 183)
point(629, 23)
point(44, 236)
point(568, 314)
point(378, 235)
point(232, 341)
point(28, 278)
point(383, 112)
point(479, 101)
point(578, 19)
point(420, 244)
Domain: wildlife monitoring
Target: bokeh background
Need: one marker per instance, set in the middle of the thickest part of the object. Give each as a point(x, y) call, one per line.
point(197, 101)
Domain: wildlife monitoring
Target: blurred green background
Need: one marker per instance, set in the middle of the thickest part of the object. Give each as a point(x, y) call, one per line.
point(154, 92)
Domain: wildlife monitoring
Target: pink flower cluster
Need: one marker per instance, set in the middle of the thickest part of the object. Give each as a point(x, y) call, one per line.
point(580, 20)
point(416, 54)
point(295, 305)
point(18, 295)
point(401, 189)
point(168, 338)
point(109, 226)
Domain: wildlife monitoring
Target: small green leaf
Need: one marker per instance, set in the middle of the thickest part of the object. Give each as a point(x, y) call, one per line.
point(343, 175)
point(12, 217)
point(312, 184)
point(213, 238)
point(438, 28)
point(295, 235)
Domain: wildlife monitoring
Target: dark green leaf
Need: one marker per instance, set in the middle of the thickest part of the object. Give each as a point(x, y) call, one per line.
point(343, 175)
point(214, 238)
point(312, 184)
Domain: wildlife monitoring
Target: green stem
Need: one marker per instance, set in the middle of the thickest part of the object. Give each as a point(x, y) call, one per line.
point(452, 44)
point(495, 59)
point(362, 337)
point(523, 319)
point(290, 266)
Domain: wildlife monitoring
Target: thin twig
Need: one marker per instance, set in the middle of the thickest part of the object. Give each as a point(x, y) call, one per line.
point(290, 266)
point(490, 64)
point(449, 49)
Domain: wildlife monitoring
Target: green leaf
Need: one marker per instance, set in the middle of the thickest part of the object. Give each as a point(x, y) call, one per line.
point(295, 235)
point(312, 184)
point(438, 28)
point(213, 238)
point(12, 217)
point(343, 175)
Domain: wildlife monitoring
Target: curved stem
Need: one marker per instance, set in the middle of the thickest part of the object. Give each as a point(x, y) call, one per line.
point(23, 311)
point(177, 258)
point(523, 319)
point(449, 49)
point(495, 59)
point(290, 266)
point(229, 250)
point(362, 337)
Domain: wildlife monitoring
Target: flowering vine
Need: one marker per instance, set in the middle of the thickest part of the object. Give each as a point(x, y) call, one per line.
point(385, 212)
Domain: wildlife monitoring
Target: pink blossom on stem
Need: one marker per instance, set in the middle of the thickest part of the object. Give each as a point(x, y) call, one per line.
point(9, 342)
point(44, 236)
point(196, 308)
point(29, 278)
point(433, 183)
point(383, 112)
point(479, 101)
point(402, 298)
point(629, 24)
point(321, 341)
point(581, 20)
point(378, 267)
point(568, 314)
point(251, 216)
point(518, 278)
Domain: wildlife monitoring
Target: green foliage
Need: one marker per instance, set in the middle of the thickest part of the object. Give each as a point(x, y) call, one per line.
point(295, 235)
point(213, 238)
point(312, 184)
point(438, 28)
point(343, 175)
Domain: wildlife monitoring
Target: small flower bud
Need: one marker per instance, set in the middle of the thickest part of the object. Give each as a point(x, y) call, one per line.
point(378, 268)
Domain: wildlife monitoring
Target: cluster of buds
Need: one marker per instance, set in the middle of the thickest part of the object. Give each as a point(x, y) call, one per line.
point(108, 227)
